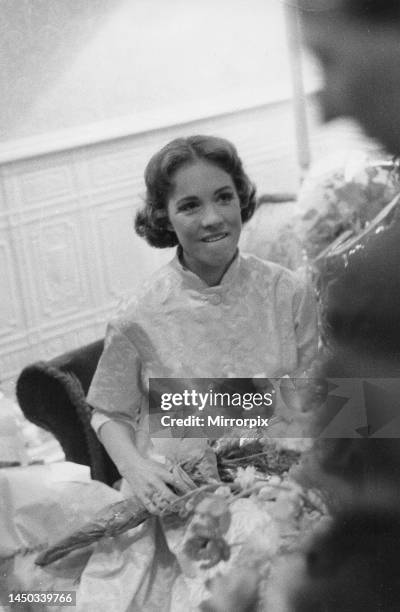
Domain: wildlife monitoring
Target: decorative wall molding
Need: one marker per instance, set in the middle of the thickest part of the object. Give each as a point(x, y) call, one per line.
point(135, 125)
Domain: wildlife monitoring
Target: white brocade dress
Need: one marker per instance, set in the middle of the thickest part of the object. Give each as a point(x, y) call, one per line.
point(259, 321)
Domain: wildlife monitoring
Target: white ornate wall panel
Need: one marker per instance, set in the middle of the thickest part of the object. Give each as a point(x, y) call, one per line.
point(2, 203)
point(11, 319)
point(109, 169)
point(54, 261)
point(68, 252)
point(126, 259)
point(40, 183)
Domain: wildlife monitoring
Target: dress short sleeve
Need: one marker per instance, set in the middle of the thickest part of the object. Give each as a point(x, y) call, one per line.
point(306, 327)
point(115, 392)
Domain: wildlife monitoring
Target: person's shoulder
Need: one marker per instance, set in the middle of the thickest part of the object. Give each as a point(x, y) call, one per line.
point(271, 271)
point(148, 297)
point(270, 278)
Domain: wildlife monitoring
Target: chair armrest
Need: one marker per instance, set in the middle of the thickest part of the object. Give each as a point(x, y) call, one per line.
point(52, 395)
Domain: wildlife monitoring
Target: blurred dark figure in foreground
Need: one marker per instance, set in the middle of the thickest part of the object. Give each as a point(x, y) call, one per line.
point(359, 287)
point(361, 327)
point(353, 567)
point(358, 45)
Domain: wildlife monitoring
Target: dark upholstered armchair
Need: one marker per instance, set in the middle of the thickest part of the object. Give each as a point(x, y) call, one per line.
point(52, 395)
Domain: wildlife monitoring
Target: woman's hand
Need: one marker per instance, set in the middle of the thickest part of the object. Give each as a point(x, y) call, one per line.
point(152, 483)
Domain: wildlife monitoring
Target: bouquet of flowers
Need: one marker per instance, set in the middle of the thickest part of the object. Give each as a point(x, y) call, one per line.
point(340, 197)
point(239, 533)
point(244, 468)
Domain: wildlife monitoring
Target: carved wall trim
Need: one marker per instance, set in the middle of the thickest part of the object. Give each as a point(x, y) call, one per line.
point(144, 123)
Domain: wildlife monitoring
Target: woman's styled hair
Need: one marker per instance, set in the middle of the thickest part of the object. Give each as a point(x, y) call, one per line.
point(152, 221)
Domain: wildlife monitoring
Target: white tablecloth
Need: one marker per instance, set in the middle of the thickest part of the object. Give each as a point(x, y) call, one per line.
point(40, 504)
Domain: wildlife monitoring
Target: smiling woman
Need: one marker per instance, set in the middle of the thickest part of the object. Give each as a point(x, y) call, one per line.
point(211, 312)
point(198, 195)
point(204, 212)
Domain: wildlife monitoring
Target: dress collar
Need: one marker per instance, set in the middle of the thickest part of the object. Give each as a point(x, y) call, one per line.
point(192, 281)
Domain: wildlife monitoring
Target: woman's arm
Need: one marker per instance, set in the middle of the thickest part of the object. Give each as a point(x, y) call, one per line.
point(147, 478)
point(116, 397)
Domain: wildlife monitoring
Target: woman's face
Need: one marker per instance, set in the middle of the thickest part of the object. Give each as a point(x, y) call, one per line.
point(204, 211)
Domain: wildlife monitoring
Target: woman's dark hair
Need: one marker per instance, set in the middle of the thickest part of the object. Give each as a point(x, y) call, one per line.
point(152, 221)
